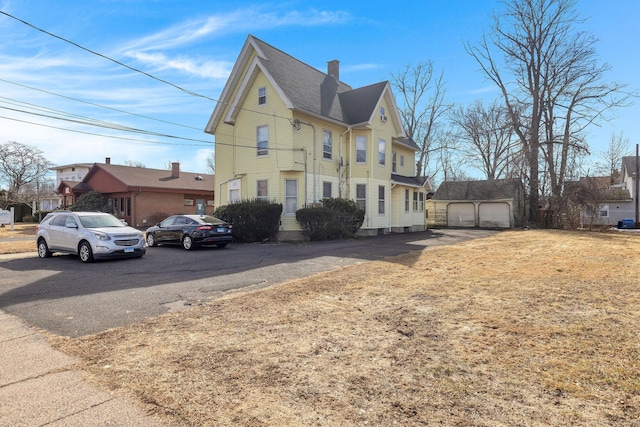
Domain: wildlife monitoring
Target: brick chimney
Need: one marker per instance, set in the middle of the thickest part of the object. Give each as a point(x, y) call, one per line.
point(333, 69)
point(108, 160)
point(175, 170)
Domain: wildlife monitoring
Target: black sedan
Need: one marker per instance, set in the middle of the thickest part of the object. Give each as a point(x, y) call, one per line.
point(190, 231)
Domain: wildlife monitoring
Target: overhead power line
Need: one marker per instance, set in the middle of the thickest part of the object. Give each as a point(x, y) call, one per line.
point(97, 134)
point(187, 91)
point(99, 105)
point(107, 58)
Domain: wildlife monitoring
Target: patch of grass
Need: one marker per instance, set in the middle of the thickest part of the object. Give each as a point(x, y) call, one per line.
point(523, 328)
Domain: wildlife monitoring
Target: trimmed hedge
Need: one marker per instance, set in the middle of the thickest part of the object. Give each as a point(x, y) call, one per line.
point(252, 220)
point(335, 219)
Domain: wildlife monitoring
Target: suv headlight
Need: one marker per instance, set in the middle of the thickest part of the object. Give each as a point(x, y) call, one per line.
point(102, 236)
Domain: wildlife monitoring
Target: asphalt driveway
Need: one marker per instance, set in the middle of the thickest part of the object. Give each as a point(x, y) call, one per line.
point(66, 297)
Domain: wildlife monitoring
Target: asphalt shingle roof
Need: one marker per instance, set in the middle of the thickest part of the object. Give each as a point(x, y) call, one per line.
point(478, 190)
point(156, 178)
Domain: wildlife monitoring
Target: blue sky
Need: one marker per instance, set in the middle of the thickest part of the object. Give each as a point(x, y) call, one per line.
point(194, 44)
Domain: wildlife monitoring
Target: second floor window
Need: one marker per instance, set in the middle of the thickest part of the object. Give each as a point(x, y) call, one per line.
point(262, 192)
point(262, 96)
point(326, 144)
point(382, 151)
point(361, 149)
point(394, 155)
point(406, 200)
point(263, 140)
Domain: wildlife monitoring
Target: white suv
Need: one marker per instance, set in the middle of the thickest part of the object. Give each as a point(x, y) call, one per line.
point(90, 235)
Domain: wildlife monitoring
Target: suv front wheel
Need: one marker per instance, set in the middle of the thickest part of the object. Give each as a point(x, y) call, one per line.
point(85, 253)
point(43, 249)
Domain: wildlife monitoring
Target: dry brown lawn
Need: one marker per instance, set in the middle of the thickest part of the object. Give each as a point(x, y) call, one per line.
point(526, 328)
point(20, 230)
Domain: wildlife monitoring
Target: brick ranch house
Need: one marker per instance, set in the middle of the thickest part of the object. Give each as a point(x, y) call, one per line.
point(142, 196)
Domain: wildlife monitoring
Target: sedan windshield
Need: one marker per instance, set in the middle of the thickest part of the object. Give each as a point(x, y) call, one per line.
point(98, 221)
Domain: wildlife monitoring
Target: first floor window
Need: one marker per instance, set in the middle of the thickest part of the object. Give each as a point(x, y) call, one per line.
point(326, 189)
point(421, 202)
point(262, 192)
point(604, 211)
point(361, 196)
point(415, 201)
point(381, 199)
point(406, 200)
point(234, 195)
point(326, 144)
point(361, 149)
point(290, 196)
point(263, 140)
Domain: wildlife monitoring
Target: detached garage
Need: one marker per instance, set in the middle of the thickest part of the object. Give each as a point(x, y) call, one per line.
point(485, 204)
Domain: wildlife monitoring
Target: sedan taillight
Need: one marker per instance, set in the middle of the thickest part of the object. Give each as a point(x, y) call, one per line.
point(204, 227)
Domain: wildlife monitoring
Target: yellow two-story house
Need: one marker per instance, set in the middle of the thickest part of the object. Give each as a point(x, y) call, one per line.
point(289, 133)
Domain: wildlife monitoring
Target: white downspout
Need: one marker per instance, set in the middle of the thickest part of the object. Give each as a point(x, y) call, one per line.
point(340, 163)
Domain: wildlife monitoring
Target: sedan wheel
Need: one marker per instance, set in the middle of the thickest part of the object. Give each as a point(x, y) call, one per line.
point(187, 242)
point(151, 240)
point(85, 253)
point(43, 249)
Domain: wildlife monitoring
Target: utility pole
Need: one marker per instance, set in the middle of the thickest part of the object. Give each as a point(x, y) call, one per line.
point(637, 181)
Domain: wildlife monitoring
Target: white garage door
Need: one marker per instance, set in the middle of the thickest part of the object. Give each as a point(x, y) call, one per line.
point(494, 214)
point(461, 215)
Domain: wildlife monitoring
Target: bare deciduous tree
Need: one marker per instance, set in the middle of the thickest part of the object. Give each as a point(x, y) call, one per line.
point(134, 164)
point(422, 95)
point(22, 167)
point(487, 135)
point(551, 84)
point(211, 163)
point(610, 160)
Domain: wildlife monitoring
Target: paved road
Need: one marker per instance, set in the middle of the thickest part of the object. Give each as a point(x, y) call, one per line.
point(66, 297)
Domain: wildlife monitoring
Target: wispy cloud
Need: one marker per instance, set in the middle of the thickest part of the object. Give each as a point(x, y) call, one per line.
point(202, 68)
point(239, 21)
point(152, 50)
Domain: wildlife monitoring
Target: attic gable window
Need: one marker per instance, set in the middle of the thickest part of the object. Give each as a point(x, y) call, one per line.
point(262, 96)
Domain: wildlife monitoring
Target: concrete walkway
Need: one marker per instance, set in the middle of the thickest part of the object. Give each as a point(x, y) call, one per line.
point(39, 387)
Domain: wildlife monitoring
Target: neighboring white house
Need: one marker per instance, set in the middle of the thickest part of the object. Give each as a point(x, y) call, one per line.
point(619, 201)
point(73, 173)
